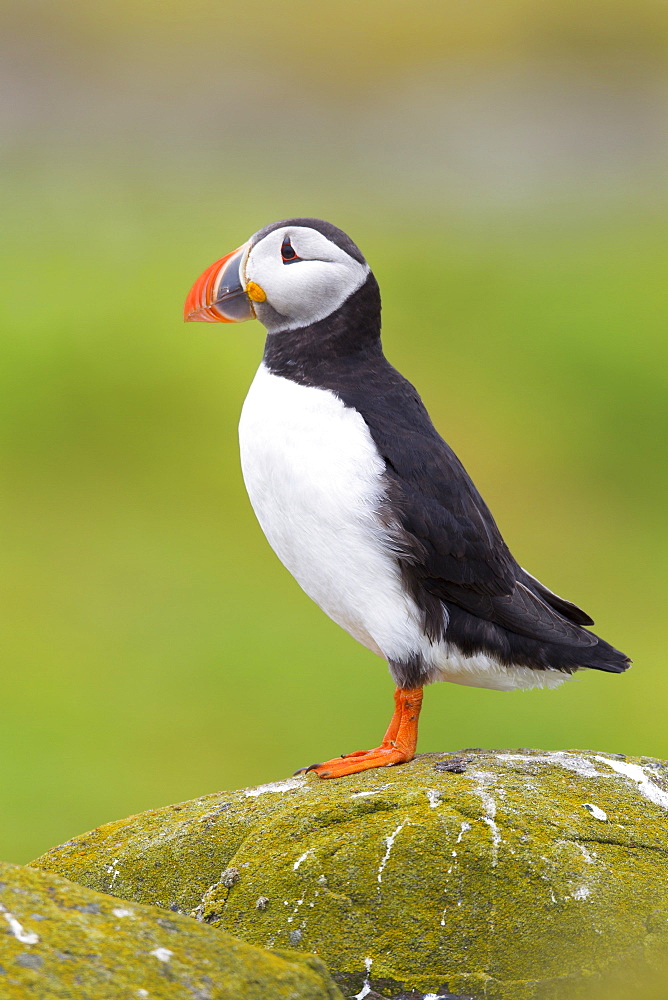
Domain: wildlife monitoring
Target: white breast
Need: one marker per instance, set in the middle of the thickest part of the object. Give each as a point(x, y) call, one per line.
point(313, 475)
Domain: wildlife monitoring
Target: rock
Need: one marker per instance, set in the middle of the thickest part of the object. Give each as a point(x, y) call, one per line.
point(509, 875)
point(58, 940)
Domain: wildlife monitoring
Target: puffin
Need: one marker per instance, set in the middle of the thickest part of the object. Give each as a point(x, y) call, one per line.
point(364, 502)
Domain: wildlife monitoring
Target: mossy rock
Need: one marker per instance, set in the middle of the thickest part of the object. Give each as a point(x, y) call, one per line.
point(59, 940)
point(512, 875)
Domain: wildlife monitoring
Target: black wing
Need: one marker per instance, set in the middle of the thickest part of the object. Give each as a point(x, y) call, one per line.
point(451, 539)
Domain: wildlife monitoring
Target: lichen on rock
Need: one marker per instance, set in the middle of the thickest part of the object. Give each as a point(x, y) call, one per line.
point(59, 940)
point(509, 875)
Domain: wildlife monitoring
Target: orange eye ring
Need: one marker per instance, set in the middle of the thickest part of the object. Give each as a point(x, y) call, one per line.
point(288, 255)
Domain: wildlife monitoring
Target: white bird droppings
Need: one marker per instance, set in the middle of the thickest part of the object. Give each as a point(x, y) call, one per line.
point(434, 798)
point(304, 856)
point(636, 773)
point(596, 812)
point(113, 871)
point(490, 812)
point(25, 937)
point(300, 902)
point(585, 853)
point(465, 826)
point(120, 912)
point(275, 786)
point(162, 954)
point(366, 988)
point(582, 892)
point(372, 791)
point(571, 761)
point(389, 842)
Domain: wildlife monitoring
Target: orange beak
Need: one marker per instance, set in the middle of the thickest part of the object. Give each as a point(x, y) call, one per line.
point(219, 295)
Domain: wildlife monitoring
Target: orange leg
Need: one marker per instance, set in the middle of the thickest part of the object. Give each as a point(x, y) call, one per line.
point(398, 746)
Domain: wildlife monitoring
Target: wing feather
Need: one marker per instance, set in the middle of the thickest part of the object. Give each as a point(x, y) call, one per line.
point(456, 548)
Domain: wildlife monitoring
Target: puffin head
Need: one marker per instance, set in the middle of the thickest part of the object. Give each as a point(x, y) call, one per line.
point(289, 275)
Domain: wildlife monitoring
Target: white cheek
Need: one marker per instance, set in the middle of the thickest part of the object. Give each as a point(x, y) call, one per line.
point(311, 289)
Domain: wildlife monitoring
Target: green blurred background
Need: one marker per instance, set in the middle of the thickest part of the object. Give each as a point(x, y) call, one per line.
point(503, 168)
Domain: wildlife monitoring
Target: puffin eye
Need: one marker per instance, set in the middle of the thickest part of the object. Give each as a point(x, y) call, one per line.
point(287, 252)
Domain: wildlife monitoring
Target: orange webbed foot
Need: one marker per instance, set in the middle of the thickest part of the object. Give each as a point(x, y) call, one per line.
point(353, 763)
point(398, 747)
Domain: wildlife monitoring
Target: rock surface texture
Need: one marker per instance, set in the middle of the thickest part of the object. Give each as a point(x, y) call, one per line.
point(58, 940)
point(508, 875)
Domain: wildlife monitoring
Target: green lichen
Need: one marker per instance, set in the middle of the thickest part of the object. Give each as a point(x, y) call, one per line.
point(499, 882)
point(58, 940)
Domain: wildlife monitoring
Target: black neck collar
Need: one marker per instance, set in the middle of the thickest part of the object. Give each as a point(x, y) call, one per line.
point(352, 332)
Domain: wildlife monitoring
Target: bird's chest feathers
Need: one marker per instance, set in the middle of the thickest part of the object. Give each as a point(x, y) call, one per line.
point(309, 462)
point(314, 477)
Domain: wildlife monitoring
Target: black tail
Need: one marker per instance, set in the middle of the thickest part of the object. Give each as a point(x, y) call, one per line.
point(602, 656)
point(473, 635)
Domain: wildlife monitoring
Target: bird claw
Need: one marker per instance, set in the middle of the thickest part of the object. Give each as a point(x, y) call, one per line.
point(305, 770)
